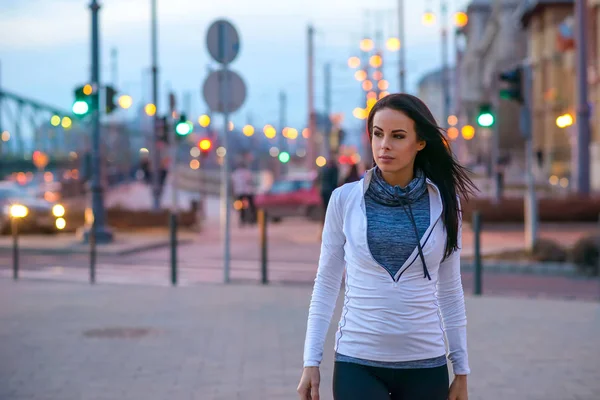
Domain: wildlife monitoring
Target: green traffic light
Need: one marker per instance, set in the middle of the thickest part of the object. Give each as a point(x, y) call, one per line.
point(284, 157)
point(80, 107)
point(485, 119)
point(182, 128)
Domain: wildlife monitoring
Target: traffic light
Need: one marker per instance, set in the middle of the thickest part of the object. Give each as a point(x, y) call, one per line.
point(205, 145)
point(110, 105)
point(284, 157)
point(183, 127)
point(83, 100)
point(163, 129)
point(513, 90)
point(485, 118)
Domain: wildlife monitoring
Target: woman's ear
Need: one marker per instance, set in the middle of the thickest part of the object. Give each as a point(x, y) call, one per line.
point(422, 144)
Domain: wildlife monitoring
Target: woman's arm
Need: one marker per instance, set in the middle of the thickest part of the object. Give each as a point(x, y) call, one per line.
point(327, 282)
point(452, 306)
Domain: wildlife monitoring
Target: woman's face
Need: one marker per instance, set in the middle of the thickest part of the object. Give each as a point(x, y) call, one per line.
point(395, 143)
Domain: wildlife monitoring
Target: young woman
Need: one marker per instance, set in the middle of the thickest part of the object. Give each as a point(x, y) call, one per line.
point(396, 236)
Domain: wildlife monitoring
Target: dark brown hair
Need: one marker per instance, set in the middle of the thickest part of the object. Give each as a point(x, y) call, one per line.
point(436, 160)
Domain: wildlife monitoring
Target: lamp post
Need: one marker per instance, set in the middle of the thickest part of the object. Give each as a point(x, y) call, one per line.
point(101, 232)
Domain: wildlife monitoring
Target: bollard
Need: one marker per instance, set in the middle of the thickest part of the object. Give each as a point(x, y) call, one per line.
point(173, 241)
point(92, 239)
point(477, 267)
point(262, 225)
point(14, 227)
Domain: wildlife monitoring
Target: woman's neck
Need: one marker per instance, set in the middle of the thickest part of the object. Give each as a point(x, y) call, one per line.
point(399, 178)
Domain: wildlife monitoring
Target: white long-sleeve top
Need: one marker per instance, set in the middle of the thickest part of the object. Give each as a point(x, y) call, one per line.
point(383, 318)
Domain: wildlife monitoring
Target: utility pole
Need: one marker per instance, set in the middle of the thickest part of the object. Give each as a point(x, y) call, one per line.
point(312, 123)
point(1, 128)
point(583, 107)
point(402, 54)
point(445, 81)
point(98, 229)
point(114, 65)
point(328, 106)
point(154, 141)
point(531, 209)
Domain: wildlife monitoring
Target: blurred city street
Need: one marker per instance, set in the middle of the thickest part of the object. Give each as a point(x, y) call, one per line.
point(165, 170)
point(208, 342)
point(143, 257)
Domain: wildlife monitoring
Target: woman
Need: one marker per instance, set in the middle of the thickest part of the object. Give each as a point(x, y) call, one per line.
point(396, 234)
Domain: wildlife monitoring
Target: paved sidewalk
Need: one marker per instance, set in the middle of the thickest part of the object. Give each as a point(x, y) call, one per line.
point(66, 341)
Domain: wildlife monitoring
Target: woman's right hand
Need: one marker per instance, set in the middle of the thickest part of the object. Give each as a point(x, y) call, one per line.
point(308, 388)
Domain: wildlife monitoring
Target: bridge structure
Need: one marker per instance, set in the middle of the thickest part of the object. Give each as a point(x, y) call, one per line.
point(28, 125)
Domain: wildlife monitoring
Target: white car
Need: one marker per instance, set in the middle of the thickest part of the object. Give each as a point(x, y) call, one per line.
point(40, 215)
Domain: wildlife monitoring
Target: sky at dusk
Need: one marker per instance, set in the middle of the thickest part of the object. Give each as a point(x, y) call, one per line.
point(45, 49)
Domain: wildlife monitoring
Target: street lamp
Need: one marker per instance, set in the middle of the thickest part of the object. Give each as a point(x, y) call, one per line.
point(366, 44)
point(393, 44)
point(460, 20)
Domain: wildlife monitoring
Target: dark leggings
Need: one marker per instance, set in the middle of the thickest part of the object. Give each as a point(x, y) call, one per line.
point(359, 382)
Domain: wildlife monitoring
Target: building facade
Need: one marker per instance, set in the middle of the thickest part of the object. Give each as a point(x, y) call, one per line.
point(549, 26)
point(492, 42)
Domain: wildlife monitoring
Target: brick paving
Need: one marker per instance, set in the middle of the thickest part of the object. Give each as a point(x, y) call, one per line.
point(240, 341)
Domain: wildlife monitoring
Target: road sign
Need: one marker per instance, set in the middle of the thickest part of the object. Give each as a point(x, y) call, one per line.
point(227, 99)
point(223, 41)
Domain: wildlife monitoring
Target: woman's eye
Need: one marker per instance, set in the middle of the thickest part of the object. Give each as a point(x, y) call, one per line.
point(399, 136)
point(378, 134)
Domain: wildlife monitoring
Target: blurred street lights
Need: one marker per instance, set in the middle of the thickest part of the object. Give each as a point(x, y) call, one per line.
point(150, 109)
point(460, 19)
point(204, 120)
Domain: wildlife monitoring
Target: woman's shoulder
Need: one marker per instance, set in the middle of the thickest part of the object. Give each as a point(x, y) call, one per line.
point(344, 192)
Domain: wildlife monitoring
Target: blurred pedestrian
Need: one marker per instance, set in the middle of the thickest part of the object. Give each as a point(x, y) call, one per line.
point(329, 179)
point(395, 236)
point(243, 191)
point(352, 175)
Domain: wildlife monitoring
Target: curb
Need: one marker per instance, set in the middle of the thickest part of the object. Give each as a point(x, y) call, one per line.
point(525, 268)
point(84, 249)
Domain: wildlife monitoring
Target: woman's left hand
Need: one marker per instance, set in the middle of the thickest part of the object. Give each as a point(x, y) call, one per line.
point(458, 389)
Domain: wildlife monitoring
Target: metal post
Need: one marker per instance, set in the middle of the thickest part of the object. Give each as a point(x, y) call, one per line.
point(328, 107)
point(93, 232)
point(477, 271)
point(262, 224)
point(103, 235)
point(495, 164)
point(531, 212)
point(445, 81)
point(154, 141)
point(312, 128)
point(583, 107)
point(174, 204)
point(225, 170)
point(402, 55)
point(530, 199)
point(15, 234)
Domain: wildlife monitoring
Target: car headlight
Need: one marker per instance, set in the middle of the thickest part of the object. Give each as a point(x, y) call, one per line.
point(58, 210)
point(18, 211)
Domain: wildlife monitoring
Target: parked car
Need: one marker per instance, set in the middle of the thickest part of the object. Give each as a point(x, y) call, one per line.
point(289, 198)
point(41, 215)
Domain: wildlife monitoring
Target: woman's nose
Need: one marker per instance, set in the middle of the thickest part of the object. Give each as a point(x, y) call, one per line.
point(385, 143)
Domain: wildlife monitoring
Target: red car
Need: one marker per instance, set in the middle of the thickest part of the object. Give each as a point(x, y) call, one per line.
point(289, 198)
